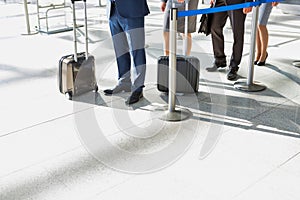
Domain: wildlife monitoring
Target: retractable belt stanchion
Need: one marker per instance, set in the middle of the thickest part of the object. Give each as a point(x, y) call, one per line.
point(29, 32)
point(186, 24)
point(173, 113)
point(249, 85)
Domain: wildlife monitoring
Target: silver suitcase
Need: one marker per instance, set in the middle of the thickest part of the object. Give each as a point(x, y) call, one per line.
point(77, 71)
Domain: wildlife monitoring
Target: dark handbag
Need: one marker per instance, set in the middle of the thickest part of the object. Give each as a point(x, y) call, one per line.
point(205, 23)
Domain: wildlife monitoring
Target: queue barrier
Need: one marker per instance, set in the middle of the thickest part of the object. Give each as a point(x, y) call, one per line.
point(177, 114)
point(45, 11)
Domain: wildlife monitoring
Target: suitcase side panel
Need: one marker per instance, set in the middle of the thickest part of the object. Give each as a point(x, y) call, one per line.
point(66, 74)
point(190, 71)
point(187, 77)
point(163, 73)
point(77, 77)
point(84, 75)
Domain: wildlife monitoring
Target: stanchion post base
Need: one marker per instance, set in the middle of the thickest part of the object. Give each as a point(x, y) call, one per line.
point(179, 114)
point(296, 63)
point(254, 87)
point(30, 33)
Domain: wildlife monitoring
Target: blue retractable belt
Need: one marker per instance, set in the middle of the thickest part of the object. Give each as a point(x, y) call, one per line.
point(224, 8)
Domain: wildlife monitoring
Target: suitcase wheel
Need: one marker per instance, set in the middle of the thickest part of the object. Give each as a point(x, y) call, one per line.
point(69, 95)
point(96, 88)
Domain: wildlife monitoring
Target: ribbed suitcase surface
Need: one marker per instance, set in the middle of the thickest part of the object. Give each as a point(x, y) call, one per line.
point(70, 80)
point(76, 73)
point(187, 76)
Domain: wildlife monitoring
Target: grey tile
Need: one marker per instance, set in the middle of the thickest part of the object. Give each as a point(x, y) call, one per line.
point(283, 120)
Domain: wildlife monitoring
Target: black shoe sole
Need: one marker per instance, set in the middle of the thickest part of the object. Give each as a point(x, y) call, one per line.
point(111, 92)
point(233, 77)
point(214, 68)
point(135, 101)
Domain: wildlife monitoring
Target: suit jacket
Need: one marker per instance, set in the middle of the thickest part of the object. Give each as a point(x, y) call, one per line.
point(129, 8)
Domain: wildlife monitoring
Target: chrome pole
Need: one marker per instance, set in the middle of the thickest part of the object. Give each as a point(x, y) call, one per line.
point(172, 60)
point(172, 114)
point(252, 45)
point(27, 17)
point(249, 85)
point(86, 31)
point(74, 31)
point(186, 23)
point(27, 20)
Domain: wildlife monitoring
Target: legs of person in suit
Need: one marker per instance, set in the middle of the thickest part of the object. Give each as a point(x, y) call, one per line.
point(122, 53)
point(129, 41)
point(136, 37)
point(217, 25)
point(237, 20)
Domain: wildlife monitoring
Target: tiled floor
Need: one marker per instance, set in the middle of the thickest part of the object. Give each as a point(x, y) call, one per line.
point(237, 145)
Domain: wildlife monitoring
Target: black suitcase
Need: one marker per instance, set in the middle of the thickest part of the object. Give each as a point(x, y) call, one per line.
point(187, 72)
point(77, 71)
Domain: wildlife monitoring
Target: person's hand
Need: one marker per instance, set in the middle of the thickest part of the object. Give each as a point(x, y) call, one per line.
point(212, 2)
point(247, 10)
point(275, 3)
point(163, 6)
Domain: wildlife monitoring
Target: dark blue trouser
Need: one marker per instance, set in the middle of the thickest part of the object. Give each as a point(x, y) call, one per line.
point(128, 36)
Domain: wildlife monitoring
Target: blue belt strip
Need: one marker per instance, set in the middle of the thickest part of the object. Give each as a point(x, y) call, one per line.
point(224, 8)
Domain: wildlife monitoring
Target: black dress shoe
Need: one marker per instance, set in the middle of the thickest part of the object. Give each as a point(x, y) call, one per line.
point(262, 63)
point(232, 74)
point(117, 89)
point(255, 62)
point(215, 67)
point(134, 97)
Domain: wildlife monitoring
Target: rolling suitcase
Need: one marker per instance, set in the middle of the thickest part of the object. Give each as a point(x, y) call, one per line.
point(77, 71)
point(187, 68)
point(187, 74)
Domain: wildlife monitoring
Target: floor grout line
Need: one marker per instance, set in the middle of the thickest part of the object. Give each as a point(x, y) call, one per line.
point(265, 176)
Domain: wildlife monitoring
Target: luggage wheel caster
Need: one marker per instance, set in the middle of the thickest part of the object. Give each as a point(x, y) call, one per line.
point(69, 95)
point(96, 88)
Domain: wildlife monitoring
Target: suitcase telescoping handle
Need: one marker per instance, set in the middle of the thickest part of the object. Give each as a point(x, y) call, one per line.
point(74, 30)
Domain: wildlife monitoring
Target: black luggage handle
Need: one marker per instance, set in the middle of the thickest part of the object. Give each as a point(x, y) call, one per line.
point(73, 1)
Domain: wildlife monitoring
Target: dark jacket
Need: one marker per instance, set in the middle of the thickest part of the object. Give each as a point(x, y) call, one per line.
point(130, 8)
